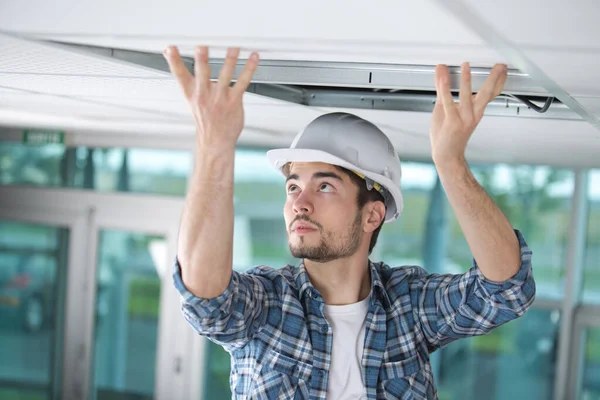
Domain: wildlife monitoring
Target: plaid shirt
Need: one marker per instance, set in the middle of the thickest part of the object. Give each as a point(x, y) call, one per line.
point(271, 321)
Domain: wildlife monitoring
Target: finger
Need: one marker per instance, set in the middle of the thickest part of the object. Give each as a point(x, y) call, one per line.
point(202, 69)
point(246, 75)
point(466, 92)
point(438, 107)
point(437, 116)
point(226, 74)
point(443, 88)
point(179, 71)
point(491, 88)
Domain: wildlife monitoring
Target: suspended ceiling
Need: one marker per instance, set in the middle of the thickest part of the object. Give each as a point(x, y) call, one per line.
point(92, 92)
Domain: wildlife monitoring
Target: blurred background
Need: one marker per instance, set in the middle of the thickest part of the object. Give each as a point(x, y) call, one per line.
point(518, 360)
point(96, 146)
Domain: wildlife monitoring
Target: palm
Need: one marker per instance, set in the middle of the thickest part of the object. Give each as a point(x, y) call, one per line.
point(217, 107)
point(452, 124)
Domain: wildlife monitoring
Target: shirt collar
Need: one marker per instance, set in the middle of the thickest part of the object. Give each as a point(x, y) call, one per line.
point(378, 292)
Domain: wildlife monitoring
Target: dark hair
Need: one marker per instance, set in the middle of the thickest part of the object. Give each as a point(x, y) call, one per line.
point(364, 196)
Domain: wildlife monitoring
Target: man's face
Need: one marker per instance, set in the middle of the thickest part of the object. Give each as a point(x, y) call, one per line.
point(321, 212)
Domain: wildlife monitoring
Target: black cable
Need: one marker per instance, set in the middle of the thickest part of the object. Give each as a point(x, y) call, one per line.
point(534, 107)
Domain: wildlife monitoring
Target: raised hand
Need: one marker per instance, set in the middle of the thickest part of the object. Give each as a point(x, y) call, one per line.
point(217, 108)
point(452, 124)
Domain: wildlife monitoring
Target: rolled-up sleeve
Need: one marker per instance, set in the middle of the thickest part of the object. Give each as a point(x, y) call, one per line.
point(232, 318)
point(450, 307)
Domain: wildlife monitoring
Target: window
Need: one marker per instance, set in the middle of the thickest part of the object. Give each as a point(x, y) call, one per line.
point(591, 368)
point(32, 277)
point(591, 266)
point(127, 306)
point(135, 170)
point(259, 238)
point(126, 170)
point(537, 201)
point(515, 361)
point(30, 165)
point(402, 242)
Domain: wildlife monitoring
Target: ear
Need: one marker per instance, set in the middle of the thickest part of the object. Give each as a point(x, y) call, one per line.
point(375, 214)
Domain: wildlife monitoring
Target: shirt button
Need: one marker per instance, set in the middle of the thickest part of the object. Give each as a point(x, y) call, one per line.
point(322, 373)
point(324, 329)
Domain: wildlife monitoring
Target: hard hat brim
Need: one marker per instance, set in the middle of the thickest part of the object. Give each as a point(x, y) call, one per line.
point(280, 157)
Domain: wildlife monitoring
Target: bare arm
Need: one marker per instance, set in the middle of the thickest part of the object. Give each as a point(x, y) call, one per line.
point(489, 234)
point(205, 246)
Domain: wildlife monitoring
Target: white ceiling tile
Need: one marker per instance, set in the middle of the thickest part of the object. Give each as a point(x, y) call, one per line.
point(42, 83)
point(591, 104)
point(21, 56)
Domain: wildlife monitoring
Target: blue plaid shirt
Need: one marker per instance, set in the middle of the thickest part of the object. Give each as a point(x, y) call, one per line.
point(271, 321)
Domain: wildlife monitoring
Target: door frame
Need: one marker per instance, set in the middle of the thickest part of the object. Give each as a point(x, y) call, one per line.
point(75, 222)
point(85, 213)
point(587, 316)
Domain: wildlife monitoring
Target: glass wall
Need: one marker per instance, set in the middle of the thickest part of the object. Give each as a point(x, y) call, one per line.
point(127, 305)
point(591, 270)
point(515, 361)
point(591, 367)
point(535, 199)
point(126, 170)
point(33, 264)
point(30, 165)
point(590, 379)
point(259, 238)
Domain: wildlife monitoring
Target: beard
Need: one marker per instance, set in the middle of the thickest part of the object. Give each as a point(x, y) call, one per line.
point(332, 245)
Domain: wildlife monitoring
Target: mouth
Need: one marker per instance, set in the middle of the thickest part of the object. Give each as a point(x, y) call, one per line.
point(303, 229)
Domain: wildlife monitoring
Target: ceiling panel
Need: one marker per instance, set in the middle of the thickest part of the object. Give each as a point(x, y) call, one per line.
point(101, 87)
point(354, 21)
point(560, 37)
point(499, 139)
point(19, 57)
point(81, 108)
point(339, 30)
point(591, 104)
point(575, 70)
point(44, 85)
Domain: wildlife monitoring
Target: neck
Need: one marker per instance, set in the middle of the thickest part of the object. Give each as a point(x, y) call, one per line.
point(342, 281)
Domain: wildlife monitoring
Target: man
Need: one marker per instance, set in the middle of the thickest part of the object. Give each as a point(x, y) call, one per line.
point(339, 326)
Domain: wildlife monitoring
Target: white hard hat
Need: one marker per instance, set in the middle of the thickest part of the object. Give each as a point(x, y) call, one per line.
point(351, 142)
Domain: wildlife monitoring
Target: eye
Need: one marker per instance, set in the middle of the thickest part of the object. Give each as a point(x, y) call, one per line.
point(292, 189)
point(326, 187)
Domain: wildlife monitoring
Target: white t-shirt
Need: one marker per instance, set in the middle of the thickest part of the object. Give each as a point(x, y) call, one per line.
point(345, 373)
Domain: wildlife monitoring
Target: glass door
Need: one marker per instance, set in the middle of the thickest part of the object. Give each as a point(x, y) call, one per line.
point(128, 291)
point(136, 314)
point(585, 364)
point(34, 265)
point(91, 310)
point(590, 378)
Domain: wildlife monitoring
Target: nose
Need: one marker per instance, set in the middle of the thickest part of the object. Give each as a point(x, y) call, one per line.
point(303, 204)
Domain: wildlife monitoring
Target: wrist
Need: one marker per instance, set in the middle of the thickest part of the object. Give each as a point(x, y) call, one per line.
point(458, 161)
point(214, 149)
point(451, 165)
point(216, 159)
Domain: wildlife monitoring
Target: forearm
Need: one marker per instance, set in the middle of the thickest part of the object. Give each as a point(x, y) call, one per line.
point(488, 232)
point(205, 245)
